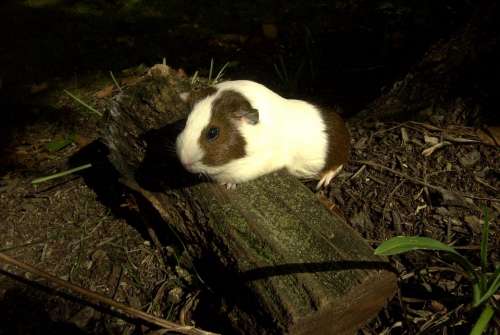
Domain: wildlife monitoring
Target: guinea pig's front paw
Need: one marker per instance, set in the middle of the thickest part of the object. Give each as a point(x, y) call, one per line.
point(229, 186)
point(327, 177)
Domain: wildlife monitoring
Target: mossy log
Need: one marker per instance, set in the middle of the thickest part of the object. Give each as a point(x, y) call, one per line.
point(270, 247)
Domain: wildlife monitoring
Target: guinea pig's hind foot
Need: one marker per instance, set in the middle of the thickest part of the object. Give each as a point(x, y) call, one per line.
point(229, 186)
point(327, 177)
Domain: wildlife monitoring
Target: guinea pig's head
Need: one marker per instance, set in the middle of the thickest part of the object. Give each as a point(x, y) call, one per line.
point(212, 136)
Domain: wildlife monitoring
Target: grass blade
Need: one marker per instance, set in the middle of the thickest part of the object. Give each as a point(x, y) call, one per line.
point(494, 287)
point(401, 244)
point(484, 241)
point(61, 174)
point(115, 81)
point(210, 71)
point(194, 78)
point(482, 323)
point(90, 108)
point(221, 73)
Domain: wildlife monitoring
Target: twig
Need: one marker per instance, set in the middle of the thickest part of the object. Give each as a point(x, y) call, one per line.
point(445, 136)
point(361, 169)
point(426, 126)
point(98, 298)
point(460, 140)
point(429, 151)
point(421, 182)
point(484, 183)
point(389, 197)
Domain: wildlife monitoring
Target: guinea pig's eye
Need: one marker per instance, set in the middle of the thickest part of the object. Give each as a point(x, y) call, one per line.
point(212, 133)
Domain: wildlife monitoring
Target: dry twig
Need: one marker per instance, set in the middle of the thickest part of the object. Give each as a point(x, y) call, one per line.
point(94, 297)
point(421, 182)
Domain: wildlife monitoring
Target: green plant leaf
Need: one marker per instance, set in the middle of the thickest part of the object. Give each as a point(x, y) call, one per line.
point(59, 144)
point(482, 323)
point(495, 285)
point(484, 241)
point(401, 244)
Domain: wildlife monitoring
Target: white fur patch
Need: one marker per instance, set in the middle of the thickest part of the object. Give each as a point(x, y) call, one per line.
point(290, 134)
point(188, 149)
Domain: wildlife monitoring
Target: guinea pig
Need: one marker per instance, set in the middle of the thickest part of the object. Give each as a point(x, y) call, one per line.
point(240, 130)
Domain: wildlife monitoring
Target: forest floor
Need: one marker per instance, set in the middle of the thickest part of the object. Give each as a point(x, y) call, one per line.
point(389, 188)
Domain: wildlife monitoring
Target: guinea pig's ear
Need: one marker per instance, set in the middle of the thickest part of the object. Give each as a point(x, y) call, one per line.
point(249, 115)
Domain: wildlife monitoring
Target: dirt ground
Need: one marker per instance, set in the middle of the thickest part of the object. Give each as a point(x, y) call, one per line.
point(389, 188)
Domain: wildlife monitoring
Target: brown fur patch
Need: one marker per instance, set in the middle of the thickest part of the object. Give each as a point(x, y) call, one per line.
point(197, 95)
point(339, 140)
point(228, 112)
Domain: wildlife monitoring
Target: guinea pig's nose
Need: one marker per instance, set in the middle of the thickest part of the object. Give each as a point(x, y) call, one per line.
point(188, 165)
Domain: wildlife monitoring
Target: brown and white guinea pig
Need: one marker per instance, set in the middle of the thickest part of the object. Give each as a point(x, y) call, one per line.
point(240, 130)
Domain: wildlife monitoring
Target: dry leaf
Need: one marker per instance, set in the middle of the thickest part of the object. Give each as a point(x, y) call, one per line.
point(489, 136)
point(130, 81)
point(105, 92)
point(404, 135)
point(82, 141)
point(430, 139)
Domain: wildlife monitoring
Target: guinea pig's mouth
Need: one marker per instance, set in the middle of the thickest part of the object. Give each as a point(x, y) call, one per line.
point(194, 167)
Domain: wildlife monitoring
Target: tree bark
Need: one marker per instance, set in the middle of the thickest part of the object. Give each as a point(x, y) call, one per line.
point(282, 261)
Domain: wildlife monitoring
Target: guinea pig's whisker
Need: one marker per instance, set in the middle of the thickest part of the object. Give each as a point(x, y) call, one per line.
point(170, 148)
point(205, 176)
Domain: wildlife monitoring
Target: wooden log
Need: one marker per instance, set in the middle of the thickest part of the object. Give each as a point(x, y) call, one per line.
point(280, 259)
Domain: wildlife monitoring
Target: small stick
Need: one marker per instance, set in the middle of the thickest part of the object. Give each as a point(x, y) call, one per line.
point(361, 169)
point(427, 152)
point(96, 297)
point(421, 182)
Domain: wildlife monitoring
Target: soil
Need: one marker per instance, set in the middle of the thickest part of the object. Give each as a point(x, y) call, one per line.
point(389, 188)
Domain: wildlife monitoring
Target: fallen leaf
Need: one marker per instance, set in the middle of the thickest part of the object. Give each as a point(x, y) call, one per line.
point(491, 135)
point(130, 81)
point(474, 223)
point(470, 158)
point(430, 139)
point(82, 141)
point(105, 92)
point(436, 306)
